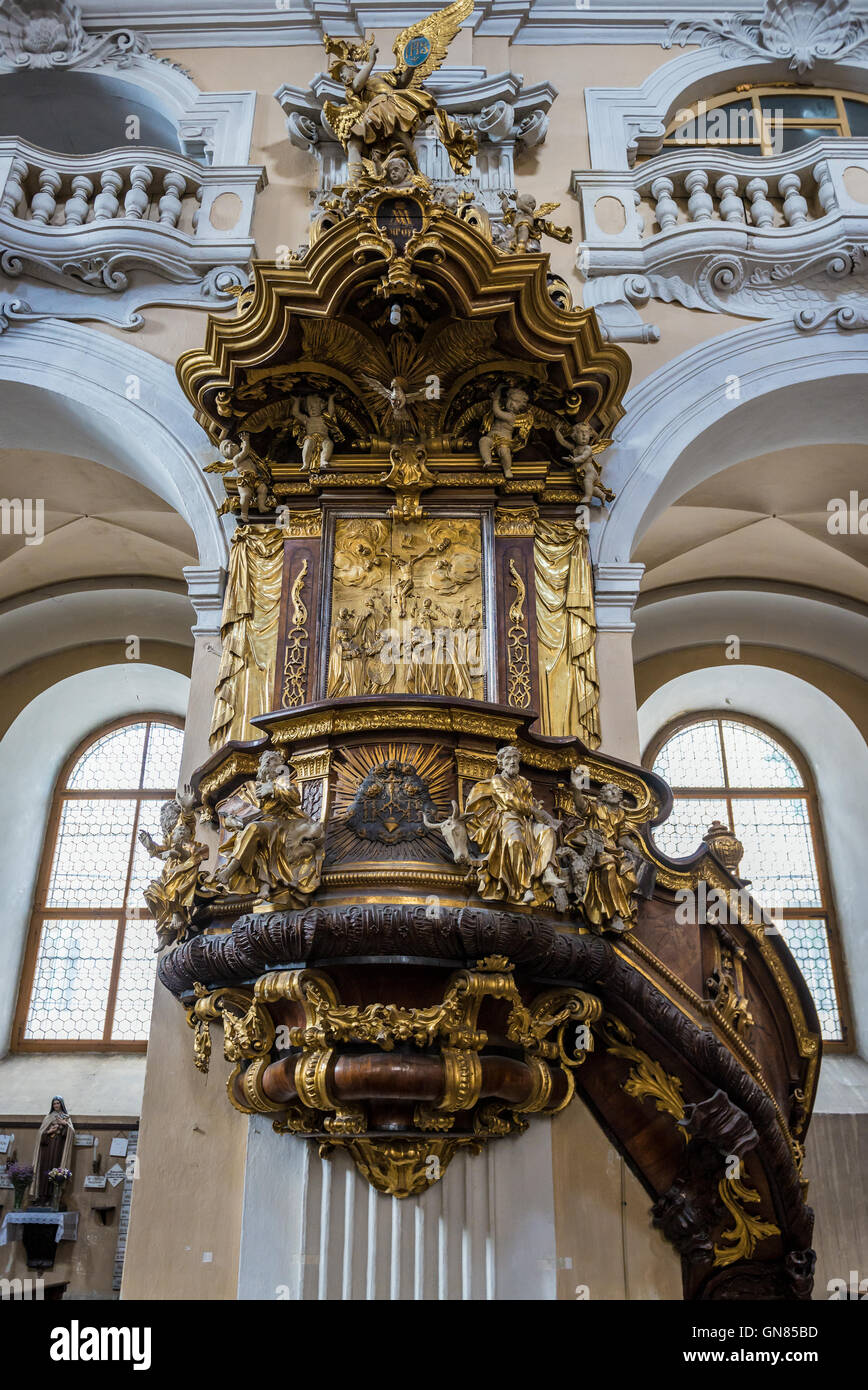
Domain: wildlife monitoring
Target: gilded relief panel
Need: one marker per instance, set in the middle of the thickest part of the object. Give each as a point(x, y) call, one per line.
point(407, 608)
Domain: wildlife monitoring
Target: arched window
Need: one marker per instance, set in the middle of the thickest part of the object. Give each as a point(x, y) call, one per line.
point(769, 120)
point(745, 775)
point(82, 113)
point(89, 969)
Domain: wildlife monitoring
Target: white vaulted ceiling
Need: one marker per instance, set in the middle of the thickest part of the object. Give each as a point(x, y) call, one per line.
point(110, 564)
point(748, 552)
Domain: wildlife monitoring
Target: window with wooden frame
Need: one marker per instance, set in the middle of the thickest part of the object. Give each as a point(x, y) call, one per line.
point(748, 776)
point(748, 118)
point(88, 976)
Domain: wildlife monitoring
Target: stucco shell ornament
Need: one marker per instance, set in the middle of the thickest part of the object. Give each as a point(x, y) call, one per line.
point(804, 31)
point(52, 36)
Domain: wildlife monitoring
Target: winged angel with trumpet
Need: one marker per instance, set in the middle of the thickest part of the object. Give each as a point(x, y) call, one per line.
point(385, 112)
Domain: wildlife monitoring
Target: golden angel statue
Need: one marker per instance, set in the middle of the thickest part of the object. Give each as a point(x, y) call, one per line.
point(383, 113)
point(582, 450)
point(316, 430)
point(528, 223)
point(240, 465)
point(506, 425)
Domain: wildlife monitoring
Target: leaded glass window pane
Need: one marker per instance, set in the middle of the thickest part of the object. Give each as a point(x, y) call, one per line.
point(94, 972)
point(163, 757)
point(778, 851)
point(692, 757)
point(764, 800)
point(132, 1012)
point(92, 855)
point(71, 986)
point(753, 759)
point(114, 762)
point(681, 835)
point(807, 938)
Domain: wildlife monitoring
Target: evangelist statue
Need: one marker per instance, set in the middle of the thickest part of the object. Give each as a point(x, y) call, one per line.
point(515, 835)
point(275, 852)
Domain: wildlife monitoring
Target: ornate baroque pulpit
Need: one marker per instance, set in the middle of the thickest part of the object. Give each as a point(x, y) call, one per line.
point(434, 908)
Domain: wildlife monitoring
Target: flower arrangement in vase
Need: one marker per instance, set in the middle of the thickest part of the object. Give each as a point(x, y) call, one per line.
point(21, 1176)
point(58, 1177)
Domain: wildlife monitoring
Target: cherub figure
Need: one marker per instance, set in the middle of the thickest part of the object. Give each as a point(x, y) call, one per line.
point(242, 467)
point(507, 425)
point(582, 454)
point(172, 897)
point(382, 111)
point(316, 430)
point(528, 222)
point(397, 171)
point(453, 200)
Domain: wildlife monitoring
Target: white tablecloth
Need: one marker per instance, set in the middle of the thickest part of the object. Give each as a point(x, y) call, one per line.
point(65, 1221)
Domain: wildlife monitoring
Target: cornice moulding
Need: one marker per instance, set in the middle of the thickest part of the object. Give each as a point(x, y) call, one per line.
point(522, 21)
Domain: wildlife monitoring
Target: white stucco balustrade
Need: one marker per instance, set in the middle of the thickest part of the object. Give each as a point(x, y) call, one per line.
point(726, 232)
point(124, 227)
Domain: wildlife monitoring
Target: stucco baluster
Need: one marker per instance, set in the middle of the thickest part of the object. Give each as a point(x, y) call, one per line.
point(731, 205)
point(795, 206)
point(666, 208)
point(761, 211)
point(826, 195)
point(170, 203)
point(106, 202)
point(137, 199)
point(44, 203)
point(13, 193)
point(198, 194)
point(700, 205)
point(76, 207)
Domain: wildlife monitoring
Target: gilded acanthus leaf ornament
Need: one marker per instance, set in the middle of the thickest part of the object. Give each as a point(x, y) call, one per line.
point(739, 1241)
point(382, 113)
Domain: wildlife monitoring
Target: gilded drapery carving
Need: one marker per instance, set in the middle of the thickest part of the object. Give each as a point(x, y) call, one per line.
point(249, 633)
point(569, 689)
